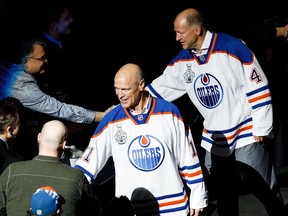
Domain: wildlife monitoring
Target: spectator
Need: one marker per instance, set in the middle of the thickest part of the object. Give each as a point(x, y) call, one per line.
point(9, 128)
point(45, 201)
point(227, 85)
point(55, 27)
point(153, 151)
point(17, 81)
point(20, 179)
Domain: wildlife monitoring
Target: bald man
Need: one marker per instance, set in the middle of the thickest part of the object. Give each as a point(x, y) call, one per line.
point(52, 138)
point(152, 149)
point(21, 179)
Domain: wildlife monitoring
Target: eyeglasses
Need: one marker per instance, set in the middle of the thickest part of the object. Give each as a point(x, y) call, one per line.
point(43, 58)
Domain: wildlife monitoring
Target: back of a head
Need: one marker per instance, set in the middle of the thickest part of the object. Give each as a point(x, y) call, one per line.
point(9, 113)
point(45, 201)
point(53, 133)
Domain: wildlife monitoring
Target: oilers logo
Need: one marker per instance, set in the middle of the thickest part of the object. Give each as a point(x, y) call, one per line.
point(208, 90)
point(146, 153)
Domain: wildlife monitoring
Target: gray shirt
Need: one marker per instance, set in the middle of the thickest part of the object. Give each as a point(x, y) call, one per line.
point(25, 88)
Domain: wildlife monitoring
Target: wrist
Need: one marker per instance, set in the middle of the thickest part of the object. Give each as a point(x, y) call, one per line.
point(282, 32)
point(285, 29)
point(98, 116)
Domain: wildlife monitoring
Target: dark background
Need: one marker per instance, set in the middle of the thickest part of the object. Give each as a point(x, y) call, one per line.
point(108, 34)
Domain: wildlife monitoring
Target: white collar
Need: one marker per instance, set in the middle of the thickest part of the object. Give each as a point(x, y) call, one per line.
point(145, 108)
point(205, 45)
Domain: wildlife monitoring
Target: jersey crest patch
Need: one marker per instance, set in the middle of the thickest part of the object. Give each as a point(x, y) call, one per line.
point(208, 90)
point(120, 135)
point(189, 74)
point(146, 153)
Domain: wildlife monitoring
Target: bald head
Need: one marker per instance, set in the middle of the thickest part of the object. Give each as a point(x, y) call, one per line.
point(189, 28)
point(129, 85)
point(190, 16)
point(52, 138)
point(130, 72)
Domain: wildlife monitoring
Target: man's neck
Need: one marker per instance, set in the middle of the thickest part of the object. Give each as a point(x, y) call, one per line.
point(53, 37)
point(139, 109)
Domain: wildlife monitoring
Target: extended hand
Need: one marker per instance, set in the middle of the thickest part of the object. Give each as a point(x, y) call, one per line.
point(196, 212)
point(100, 115)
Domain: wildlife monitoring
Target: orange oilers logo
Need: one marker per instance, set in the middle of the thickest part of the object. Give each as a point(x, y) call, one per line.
point(146, 153)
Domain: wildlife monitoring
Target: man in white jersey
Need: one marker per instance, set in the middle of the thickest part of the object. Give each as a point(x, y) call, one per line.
point(153, 151)
point(225, 82)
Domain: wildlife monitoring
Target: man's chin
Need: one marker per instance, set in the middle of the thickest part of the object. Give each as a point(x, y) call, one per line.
point(124, 105)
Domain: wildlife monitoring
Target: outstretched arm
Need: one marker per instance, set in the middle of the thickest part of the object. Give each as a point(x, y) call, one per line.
point(99, 115)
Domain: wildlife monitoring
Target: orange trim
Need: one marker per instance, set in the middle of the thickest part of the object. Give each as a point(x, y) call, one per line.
point(192, 174)
point(174, 202)
point(260, 97)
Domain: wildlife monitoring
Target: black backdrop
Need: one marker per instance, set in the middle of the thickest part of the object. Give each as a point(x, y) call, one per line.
point(109, 34)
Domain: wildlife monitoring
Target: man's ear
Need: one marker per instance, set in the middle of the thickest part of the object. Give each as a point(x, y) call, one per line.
point(10, 130)
point(142, 84)
point(39, 137)
point(25, 63)
point(199, 30)
point(24, 60)
point(64, 144)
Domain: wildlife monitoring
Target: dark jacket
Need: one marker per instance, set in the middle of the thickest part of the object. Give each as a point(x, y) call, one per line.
point(7, 156)
point(21, 179)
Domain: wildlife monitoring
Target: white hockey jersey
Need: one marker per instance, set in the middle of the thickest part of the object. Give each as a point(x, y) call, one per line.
point(154, 151)
point(227, 85)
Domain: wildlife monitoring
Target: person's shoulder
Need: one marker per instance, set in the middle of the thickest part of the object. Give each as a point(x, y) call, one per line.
point(226, 37)
point(73, 171)
point(16, 72)
point(163, 101)
point(166, 105)
point(16, 166)
point(114, 114)
point(229, 42)
point(183, 54)
point(10, 158)
point(13, 156)
point(3, 146)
